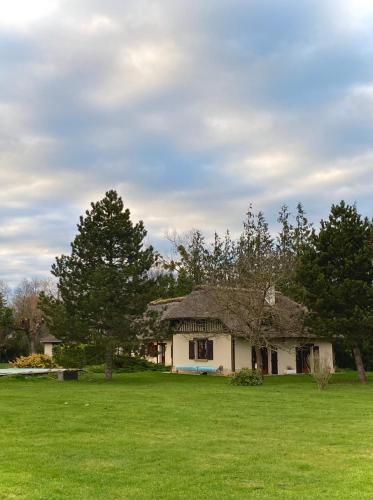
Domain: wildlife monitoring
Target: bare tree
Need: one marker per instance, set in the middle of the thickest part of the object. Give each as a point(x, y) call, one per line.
point(28, 315)
point(321, 373)
point(242, 275)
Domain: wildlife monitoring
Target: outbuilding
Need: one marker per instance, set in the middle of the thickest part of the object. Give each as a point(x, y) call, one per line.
point(49, 341)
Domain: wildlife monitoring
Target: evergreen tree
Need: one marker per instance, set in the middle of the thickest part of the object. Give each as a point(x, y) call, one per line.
point(292, 241)
point(104, 283)
point(6, 325)
point(191, 266)
point(194, 258)
point(336, 271)
point(285, 240)
point(301, 232)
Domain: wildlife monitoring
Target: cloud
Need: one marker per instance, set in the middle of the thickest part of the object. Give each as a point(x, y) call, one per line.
point(192, 110)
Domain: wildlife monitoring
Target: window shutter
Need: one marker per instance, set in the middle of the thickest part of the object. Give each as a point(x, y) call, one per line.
point(210, 349)
point(191, 349)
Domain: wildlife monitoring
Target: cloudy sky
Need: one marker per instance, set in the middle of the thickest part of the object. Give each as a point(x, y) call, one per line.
point(191, 109)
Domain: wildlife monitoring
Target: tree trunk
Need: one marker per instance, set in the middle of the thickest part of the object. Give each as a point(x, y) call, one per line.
point(32, 343)
point(109, 362)
point(259, 359)
point(359, 364)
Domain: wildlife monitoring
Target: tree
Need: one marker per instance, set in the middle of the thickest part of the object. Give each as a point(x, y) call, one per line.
point(191, 265)
point(6, 324)
point(5, 291)
point(292, 240)
point(27, 313)
point(104, 283)
point(242, 275)
point(301, 232)
point(336, 272)
point(246, 290)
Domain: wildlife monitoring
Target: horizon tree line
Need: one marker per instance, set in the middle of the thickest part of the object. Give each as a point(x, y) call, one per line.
point(109, 277)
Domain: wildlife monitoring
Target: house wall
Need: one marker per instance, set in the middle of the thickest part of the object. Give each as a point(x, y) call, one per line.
point(168, 354)
point(243, 354)
point(285, 357)
point(286, 354)
point(326, 353)
point(222, 351)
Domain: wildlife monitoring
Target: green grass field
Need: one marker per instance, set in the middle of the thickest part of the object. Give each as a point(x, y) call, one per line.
point(163, 436)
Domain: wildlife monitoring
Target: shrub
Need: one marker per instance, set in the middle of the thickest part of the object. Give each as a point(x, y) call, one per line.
point(127, 364)
point(247, 377)
point(78, 355)
point(34, 361)
point(321, 372)
point(97, 368)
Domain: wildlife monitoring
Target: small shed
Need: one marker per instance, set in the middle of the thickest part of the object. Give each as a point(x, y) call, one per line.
point(49, 341)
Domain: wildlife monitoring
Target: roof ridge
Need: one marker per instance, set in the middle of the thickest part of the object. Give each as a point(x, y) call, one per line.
point(167, 301)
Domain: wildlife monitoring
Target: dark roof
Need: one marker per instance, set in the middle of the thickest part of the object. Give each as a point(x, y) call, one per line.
point(50, 339)
point(285, 317)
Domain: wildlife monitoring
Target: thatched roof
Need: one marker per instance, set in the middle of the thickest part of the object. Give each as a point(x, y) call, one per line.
point(163, 305)
point(284, 318)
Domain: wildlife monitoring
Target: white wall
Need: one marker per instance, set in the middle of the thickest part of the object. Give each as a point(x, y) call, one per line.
point(243, 354)
point(286, 354)
point(48, 349)
point(326, 353)
point(222, 351)
point(285, 357)
point(168, 354)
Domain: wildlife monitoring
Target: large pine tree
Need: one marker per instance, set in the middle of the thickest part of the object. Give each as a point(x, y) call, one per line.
point(336, 271)
point(104, 282)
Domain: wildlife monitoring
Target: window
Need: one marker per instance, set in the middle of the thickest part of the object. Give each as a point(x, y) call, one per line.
point(201, 349)
point(152, 350)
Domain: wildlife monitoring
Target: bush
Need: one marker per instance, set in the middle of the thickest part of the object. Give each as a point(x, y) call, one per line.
point(34, 361)
point(322, 372)
point(247, 377)
point(97, 368)
point(78, 355)
point(128, 364)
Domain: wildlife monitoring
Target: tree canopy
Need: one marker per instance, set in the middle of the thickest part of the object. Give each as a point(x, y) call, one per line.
point(104, 283)
point(336, 272)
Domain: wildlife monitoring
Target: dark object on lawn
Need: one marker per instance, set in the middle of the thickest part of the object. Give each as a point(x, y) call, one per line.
point(68, 375)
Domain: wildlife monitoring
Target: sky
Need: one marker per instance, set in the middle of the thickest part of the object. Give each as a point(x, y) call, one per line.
point(191, 110)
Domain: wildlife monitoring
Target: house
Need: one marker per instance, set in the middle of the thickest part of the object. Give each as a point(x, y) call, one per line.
point(203, 338)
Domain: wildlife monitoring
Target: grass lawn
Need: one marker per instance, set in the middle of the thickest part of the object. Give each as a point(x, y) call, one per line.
point(162, 436)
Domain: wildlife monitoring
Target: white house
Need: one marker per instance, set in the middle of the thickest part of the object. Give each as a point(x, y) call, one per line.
point(202, 339)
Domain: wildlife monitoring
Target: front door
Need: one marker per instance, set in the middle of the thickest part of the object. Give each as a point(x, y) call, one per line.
point(254, 363)
point(162, 353)
point(274, 362)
